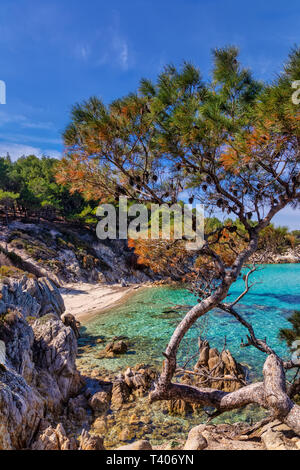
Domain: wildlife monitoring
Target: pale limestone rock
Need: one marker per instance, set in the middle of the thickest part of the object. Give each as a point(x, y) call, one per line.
point(21, 410)
point(2, 353)
point(138, 445)
point(195, 440)
point(273, 440)
point(40, 372)
point(54, 439)
point(88, 442)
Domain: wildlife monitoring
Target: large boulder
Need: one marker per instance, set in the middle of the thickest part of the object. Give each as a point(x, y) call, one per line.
point(21, 410)
point(195, 440)
point(55, 350)
point(100, 402)
point(38, 371)
point(50, 438)
point(89, 442)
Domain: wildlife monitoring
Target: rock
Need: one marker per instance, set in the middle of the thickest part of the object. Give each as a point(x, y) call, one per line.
point(88, 442)
point(100, 402)
point(119, 347)
point(127, 434)
point(273, 440)
point(138, 445)
point(55, 351)
point(179, 407)
point(69, 320)
point(219, 365)
point(77, 409)
point(100, 425)
point(298, 444)
point(195, 440)
point(40, 374)
point(140, 378)
point(21, 410)
point(54, 439)
point(120, 394)
point(2, 353)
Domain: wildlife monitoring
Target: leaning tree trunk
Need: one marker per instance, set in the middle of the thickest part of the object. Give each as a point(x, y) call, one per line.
point(271, 394)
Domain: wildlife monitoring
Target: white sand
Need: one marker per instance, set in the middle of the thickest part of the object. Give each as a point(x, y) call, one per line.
point(85, 300)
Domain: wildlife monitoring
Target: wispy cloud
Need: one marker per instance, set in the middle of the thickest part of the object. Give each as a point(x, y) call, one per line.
point(25, 138)
point(108, 46)
point(121, 50)
point(18, 150)
point(82, 51)
point(23, 121)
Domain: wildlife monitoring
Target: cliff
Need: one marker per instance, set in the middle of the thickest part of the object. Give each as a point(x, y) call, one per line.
point(38, 373)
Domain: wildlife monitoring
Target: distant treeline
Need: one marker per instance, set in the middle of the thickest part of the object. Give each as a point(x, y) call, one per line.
point(28, 189)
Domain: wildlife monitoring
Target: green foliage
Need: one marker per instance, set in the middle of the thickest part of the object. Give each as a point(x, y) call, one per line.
point(29, 187)
point(291, 334)
point(11, 272)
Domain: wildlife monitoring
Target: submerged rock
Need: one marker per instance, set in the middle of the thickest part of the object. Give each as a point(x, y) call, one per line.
point(119, 347)
point(100, 401)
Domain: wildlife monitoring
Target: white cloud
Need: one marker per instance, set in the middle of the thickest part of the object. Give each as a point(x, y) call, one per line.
point(24, 138)
point(18, 150)
point(82, 51)
point(23, 121)
point(121, 50)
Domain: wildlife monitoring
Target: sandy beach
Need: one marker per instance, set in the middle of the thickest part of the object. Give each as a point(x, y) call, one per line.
point(85, 300)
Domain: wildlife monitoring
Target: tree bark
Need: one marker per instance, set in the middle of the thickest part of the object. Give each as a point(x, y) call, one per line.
point(270, 394)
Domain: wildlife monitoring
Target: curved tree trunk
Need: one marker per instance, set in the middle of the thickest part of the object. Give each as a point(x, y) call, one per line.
point(271, 394)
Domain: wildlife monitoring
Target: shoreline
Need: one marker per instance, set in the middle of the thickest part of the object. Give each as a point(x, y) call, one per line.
point(85, 301)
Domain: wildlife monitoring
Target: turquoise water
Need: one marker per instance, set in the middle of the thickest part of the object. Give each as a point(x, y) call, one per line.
point(149, 317)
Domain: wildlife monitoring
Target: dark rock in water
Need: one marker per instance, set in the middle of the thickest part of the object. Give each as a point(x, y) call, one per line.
point(119, 347)
point(100, 401)
point(69, 320)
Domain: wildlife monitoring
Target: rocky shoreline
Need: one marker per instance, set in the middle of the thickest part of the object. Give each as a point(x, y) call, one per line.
point(47, 403)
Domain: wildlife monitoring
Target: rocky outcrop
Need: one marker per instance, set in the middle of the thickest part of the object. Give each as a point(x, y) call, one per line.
point(69, 254)
point(38, 372)
point(50, 438)
point(216, 370)
point(196, 440)
point(21, 411)
point(291, 255)
point(89, 442)
point(212, 370)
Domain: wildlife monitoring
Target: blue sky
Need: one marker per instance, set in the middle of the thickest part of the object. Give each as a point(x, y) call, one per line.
point(54, 53)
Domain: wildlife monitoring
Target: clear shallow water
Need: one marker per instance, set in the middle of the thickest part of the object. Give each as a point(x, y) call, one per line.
point(148, 321)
